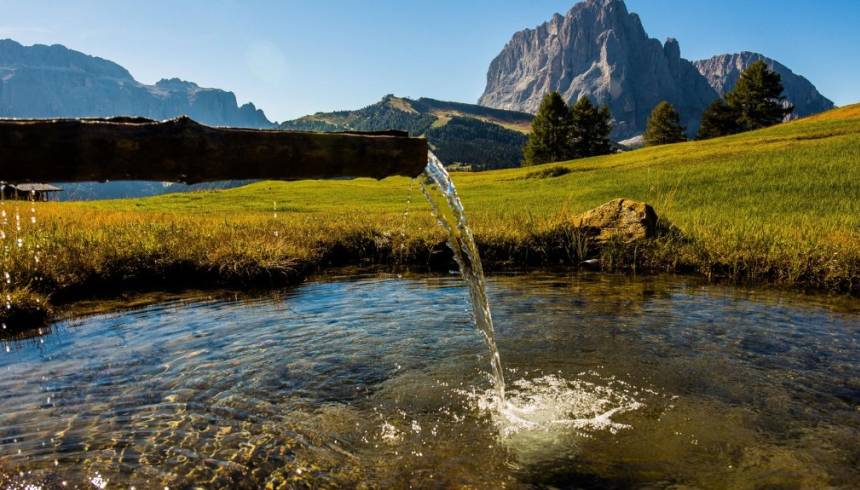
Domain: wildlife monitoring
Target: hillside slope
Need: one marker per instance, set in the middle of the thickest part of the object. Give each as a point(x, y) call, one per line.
point(777, 205)
point(458, 133)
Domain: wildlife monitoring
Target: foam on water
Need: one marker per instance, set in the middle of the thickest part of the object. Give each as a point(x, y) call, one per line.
point(551, 404)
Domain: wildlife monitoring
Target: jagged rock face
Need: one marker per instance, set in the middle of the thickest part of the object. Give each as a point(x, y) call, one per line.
point(53, 81)
point(600, 50)
point(722, 72)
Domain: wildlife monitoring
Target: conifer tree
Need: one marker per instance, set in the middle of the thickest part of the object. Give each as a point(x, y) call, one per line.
point(719, 119)
point(550, 139)
point(590, 129)
point(664, 126)
point(758, 99)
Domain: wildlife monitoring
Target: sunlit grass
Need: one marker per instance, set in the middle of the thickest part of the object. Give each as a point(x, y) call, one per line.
point(778, 205)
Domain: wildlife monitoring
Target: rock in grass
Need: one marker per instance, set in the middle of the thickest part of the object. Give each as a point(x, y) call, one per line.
point(619, 219)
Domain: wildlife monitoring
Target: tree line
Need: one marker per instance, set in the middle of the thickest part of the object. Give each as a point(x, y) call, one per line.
point(561, 132)
point(756, 102)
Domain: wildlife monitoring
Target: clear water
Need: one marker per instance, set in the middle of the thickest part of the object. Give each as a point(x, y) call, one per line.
point(364, 381)
point(439, 189)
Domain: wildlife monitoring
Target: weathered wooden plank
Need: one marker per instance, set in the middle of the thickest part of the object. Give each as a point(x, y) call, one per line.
point(181, 150)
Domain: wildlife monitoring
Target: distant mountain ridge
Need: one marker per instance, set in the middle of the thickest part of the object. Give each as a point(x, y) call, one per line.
point(457, 132)
point(42, 81)
point(600, 50)
point(54, 81)
point(722, 72)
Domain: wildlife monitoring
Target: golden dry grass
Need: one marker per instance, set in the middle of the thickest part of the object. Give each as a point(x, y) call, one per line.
point(777, 205)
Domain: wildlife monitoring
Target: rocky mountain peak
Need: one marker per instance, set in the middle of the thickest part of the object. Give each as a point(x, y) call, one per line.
point(722, 72)
point(176, 84)
point(672, 49)
point(601, 51)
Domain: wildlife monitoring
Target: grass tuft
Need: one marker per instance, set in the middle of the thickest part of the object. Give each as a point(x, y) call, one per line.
point(548, 172)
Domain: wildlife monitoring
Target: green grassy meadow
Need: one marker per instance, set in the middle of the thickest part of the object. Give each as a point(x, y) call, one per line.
point(780, 205)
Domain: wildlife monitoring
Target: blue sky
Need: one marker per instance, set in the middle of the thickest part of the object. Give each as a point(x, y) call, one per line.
point(295, 57)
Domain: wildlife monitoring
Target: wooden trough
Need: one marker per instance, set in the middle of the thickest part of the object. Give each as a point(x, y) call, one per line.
point(181, 150)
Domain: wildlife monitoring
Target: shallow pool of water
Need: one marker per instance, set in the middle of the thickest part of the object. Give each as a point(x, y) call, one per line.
point(382, 381)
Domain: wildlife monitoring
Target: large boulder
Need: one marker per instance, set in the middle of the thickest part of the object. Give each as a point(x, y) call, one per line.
point(619, 219)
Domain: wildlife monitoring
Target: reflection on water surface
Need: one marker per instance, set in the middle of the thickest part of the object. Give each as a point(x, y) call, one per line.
point(380, 380)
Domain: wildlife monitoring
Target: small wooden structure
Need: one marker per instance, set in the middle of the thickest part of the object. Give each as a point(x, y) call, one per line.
point(28, 192)
point(181, 150)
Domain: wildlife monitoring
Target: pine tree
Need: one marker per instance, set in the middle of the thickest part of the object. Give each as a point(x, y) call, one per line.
point(590, 129)
point(758, 97)
point(549, 140)
point(718, 120)
point(664, 126)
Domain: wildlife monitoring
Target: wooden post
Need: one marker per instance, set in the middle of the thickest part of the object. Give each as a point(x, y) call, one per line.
point(181, 150)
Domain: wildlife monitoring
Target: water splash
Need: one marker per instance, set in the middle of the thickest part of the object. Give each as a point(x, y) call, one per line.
point(437, 186)
point(551, 416)
point(548, 403)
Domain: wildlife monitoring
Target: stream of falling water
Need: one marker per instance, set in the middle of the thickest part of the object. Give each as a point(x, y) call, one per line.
point(6, 279)
point(437, 187)
point(536, 409)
